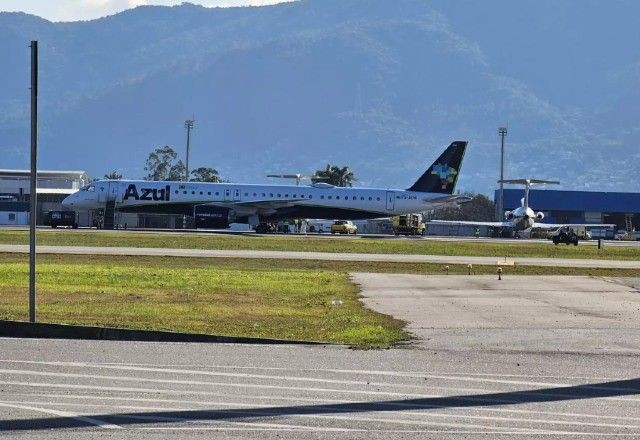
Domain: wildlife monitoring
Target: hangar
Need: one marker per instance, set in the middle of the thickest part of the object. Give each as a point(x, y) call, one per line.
point(619, 208)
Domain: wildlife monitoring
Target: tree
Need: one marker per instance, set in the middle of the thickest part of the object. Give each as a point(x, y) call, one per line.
point(161, 165)
point(479, 209)
point(205, 174)
point(113, 175)
point(335, 175)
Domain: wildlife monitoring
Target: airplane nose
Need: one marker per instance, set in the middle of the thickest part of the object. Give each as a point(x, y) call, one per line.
point(68, 202)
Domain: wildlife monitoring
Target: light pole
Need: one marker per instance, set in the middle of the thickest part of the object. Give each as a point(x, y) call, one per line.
point(33, 181)
point(188, 124)
point(502, 132)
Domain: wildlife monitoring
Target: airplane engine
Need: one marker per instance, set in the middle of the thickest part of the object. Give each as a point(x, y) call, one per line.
point(508, 215)
point(212, 217)
point(539, 216)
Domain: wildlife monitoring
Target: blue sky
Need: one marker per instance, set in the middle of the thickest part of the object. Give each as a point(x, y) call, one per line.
point(72, 10)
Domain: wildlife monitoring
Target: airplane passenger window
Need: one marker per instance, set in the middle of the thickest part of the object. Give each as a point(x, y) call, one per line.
point(361, 198)
point(337, 197)
point(246, 194)
point(184, 192)
point(217, 193)
point(208, 193)
point(286, 195)
point(322, 197)
point(279, 195)
point(355, 198)
point(193, 192)
point(254, 194)
point(270, 194)
point(370, 198)
point(378, 198)
point(176, 192)
point(310, 196)
point(264, 195)
point(329, 197)
point(294, 196)
point(200, 192)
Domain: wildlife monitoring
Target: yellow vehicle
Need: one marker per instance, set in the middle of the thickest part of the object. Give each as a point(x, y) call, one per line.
point(410, 224)
point(343, 227)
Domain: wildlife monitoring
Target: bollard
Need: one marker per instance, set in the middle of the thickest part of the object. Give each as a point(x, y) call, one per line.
point(469, 267)
point(600, 243)
point(499, 273)
point(446, 269)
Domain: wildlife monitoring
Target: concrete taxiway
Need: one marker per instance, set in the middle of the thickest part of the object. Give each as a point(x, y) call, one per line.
point(396, 258)
point(517, 313)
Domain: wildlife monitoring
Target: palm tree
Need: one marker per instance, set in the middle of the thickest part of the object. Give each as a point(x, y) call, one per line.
point(113, 175)
point(335, 175)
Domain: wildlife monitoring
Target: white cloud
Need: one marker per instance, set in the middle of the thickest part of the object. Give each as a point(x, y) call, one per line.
point(72, 10)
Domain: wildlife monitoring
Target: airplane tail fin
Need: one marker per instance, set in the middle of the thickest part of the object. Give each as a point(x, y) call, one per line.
point(442, 175)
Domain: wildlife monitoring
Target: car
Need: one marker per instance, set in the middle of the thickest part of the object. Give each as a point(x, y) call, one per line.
point(564, 235)
point(343, 227)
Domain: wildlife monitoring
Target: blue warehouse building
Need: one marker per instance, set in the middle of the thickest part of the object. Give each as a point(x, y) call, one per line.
point(619, 208)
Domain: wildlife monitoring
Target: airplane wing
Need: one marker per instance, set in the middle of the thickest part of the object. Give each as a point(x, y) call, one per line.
point(265, 207)
point(455, 198)
point(559, 225)
point(472, 223)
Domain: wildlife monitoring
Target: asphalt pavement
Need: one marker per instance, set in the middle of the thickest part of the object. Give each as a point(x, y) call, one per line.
point(104, 389)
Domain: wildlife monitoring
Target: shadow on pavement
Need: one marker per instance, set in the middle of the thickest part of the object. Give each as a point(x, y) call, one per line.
point(556, 394)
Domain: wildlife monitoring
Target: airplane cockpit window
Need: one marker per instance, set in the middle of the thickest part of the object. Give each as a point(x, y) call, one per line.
point(89, 188)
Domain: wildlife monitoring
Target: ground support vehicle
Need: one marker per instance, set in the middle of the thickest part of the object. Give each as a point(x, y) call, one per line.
point(565, 235)
point(410, 224)
point(61, 218)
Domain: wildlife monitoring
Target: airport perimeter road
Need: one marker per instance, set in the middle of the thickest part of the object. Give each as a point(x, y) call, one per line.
point(520, 313)
point(52, 389)
point(288, 255)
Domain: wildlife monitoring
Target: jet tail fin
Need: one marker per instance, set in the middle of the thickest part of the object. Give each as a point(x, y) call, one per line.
point(442, 175)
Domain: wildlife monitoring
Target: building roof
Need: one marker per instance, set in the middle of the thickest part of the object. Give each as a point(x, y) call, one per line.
point(553, 200)
point(8, 173)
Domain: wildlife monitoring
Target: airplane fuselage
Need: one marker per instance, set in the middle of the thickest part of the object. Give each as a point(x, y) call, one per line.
point(247, 200)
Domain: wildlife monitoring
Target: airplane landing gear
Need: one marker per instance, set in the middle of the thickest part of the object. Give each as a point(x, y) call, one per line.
point(266, 228)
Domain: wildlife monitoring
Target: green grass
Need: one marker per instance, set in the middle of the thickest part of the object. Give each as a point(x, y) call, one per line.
point(318, 244)
point(197, 296)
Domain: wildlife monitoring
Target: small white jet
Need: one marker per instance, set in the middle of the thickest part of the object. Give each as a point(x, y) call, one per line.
point(225, 203)
point(522, 218)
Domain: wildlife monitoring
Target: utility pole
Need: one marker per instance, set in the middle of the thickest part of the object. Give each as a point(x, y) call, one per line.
point(33, 181)
point(188, 124)
point(502, 132)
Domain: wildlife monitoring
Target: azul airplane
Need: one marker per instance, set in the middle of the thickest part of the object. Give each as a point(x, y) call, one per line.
point(226, 203)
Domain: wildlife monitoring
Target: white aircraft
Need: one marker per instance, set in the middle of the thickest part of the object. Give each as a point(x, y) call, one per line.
point(523, 218)
point(227, 203)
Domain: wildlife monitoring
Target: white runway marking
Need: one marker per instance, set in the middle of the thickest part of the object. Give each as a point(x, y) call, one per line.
point(89, 420)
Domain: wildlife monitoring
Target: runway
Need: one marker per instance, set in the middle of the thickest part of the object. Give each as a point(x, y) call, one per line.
point(289, 255)
point(53, 389)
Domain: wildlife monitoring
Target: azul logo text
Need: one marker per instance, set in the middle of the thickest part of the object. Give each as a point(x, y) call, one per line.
point(155, 194)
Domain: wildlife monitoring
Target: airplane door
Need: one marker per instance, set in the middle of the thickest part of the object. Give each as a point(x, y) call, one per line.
point(391, 200)
point(102, 189)
point(236, 194)
point(227, 194)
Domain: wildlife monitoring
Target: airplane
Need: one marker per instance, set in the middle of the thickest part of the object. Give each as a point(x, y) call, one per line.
point(523, 218)
point(256, 204)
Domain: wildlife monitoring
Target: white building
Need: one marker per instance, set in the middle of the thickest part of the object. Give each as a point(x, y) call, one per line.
point(52, 188)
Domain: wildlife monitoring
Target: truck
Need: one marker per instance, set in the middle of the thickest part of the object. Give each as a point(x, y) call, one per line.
point(61, 218)
point(566, 235)
point(409, 224)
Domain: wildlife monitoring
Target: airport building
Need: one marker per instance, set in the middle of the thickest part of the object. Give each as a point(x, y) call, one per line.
point(52, 188)
point(619, 208)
